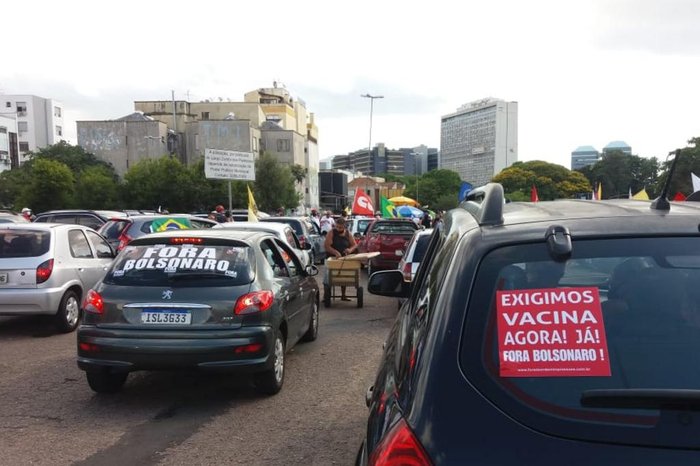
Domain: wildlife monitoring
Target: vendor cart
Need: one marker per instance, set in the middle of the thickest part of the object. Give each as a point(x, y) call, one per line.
point(342, 272)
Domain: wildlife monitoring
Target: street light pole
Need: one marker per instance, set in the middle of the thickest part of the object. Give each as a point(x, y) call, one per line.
point(371, 111)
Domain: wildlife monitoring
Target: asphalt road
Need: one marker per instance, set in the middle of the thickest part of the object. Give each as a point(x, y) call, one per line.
point(49, 415)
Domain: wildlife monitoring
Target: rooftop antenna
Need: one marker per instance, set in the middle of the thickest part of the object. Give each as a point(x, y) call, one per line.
point(661, 202)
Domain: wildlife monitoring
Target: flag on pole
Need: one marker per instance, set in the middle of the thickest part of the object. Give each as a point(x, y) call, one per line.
point(387, 208)
point(252, 207)
point(464, 190)
point(599, 194)
point(533, 194)
point(641, 195)
point(679, 197)
point(696, 181)
point(362, 205)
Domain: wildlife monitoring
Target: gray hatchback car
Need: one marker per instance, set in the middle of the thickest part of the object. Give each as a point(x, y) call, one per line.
point(213, 300)
point(46, 268)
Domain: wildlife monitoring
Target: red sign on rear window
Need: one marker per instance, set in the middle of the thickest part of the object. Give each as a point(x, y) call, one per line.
point(554, 332)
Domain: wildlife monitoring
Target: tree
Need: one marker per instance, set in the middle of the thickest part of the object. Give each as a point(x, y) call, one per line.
point(50, 186)
point(299, 173)
point(619, 173)
point(209, 193)
point(162, 182)
point(75, 157)
point(274, 184)
point(689, 162)
point(11, 184)
point(551, 180)
point(97, 189)
point(437, 189)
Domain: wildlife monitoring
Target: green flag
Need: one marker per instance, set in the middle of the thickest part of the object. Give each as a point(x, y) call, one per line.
point(171, 223)
point(387, 208)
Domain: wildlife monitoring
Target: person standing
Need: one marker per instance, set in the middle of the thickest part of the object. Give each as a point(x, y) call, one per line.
point(327, 222)
point(340, 243)
point(425, 222)
point(314, 219)
point(27, 214)
point(220, 214)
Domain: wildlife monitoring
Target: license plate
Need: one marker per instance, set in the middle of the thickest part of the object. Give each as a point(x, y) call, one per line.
point(166, 317)
point(3, 278)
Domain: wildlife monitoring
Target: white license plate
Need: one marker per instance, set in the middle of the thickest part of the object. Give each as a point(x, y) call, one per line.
point(3, 278)
point(166, 317)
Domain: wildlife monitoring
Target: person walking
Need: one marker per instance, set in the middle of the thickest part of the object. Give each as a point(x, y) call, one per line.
point(314, 219)
point(339, 243)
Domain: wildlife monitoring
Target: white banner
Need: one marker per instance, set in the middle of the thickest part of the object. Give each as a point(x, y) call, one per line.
point(229, 165)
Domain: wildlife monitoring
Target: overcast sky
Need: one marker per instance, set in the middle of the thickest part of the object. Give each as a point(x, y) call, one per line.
point(583, 73)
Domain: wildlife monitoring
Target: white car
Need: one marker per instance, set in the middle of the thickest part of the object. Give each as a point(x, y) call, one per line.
point(282, 231)
point(415, 250)
point(357, 225)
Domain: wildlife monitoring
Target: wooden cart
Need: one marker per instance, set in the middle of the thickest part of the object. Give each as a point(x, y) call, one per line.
point(342, 272)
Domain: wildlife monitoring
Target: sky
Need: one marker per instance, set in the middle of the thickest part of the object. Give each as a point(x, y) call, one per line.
point(582, 72)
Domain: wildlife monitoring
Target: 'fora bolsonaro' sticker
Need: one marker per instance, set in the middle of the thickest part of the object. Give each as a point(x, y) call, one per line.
point(556, 332)
point(171, 259)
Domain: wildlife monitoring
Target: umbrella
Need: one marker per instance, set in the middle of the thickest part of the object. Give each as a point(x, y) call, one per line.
point(408, 211)
point(403, 200)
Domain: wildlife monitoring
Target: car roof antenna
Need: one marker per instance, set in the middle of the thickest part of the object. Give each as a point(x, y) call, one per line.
point(661, 202)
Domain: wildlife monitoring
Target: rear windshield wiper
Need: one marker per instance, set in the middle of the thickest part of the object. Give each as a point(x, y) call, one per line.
point(642, 398)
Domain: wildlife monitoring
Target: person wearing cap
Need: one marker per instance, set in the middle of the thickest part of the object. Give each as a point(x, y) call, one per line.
point(27, 214)
point(377, 214)
point(220, 214)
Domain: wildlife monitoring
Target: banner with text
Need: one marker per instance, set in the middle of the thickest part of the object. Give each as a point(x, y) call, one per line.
point(555, 332)
point(229, 165)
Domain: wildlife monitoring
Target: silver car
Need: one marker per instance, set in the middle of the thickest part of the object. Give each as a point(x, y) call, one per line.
point(46, 268)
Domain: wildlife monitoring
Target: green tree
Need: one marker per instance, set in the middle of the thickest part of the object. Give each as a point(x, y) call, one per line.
point(274, 184)
point(619, 173)
point(12, 182)
point(299, 173)
point(209, 193)
point(689, 162)
point(437, 189)
point(551, 180)
point(97, 189)
point(162, 182)
point(77, 158)
point(50, 186)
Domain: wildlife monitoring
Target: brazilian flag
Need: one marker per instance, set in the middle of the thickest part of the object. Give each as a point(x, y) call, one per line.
point(387, 208)
point(171, 223)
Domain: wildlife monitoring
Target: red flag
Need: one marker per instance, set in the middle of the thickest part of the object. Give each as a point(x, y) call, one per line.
point(680, 197)
point(533, 194)
point(362, 205)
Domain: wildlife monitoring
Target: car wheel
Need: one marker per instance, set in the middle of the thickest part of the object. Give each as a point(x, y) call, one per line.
point(270, 382)
point(68, 315)
point(106, 382)
point(312, 333)
point(360, 297)
point(327, 295)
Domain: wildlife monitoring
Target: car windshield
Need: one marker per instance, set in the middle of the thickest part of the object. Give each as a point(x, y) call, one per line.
point(23, 243)
point(183, 265)
point(620, 315)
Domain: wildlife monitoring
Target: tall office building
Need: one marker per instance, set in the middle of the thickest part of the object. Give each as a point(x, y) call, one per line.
point(584, 156)
point(39, 121)
point(480, 139)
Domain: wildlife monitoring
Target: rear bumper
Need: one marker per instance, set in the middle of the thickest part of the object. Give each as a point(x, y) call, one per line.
point(122, 351)
point(30, 301)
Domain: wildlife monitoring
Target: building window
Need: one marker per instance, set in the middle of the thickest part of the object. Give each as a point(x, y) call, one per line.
point(24, 146)
point(282, 145)
point(205, 115)
point(59, 131)
point(57, 112)
point(8, 104)
point(22, 126)
point(21, 108)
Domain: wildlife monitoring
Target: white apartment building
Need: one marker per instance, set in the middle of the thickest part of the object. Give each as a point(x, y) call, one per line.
point(480, 139)
point(39, 121)
point(8, 141)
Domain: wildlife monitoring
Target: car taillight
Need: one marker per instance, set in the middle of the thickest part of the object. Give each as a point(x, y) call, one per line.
point(406, 271)
point(43, 272)
point(186, 240)
point(257, 301)
point(399, 447)
point(124, 239)
point(93, 303)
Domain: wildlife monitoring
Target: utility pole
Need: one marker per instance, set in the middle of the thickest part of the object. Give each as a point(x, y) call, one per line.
point(371, 111)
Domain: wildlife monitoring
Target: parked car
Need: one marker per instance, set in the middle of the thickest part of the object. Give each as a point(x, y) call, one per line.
point(213, 300)
point(307, 232)
point(415, 250)
point(560, 328)
point(89, 218)
point(46, 269)
point(389, 237)
point(282, 231)
point(358, 225)
point(122, 230)
point(8, 216)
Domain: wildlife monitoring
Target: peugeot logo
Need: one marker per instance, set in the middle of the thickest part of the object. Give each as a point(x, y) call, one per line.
point(167, 294)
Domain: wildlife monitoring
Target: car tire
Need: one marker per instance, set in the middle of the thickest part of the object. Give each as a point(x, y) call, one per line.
point(312, 333)
point(67, 317)
point(270, 382)
point(360, 297)
point(106, 382)
point(327, 295)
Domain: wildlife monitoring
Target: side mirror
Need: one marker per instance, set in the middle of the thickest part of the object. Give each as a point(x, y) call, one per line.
point(311, 270)
point(308, 246)
point(389, 283)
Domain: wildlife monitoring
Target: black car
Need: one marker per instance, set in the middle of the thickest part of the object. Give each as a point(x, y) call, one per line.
point(562, 332)
point(213, 300)
point(89, 218)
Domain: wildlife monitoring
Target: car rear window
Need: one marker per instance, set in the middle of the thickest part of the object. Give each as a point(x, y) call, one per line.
point(421, 245)
point(362, 225)
point(183, 265)
point(164, 224)
point(114, 228)
point(23, 243)
point(620, 315)
point(295, 224)
point(394, 227)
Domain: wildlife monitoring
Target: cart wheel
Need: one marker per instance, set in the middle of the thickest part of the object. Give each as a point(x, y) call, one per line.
point(360, 300)
point(326, 295)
